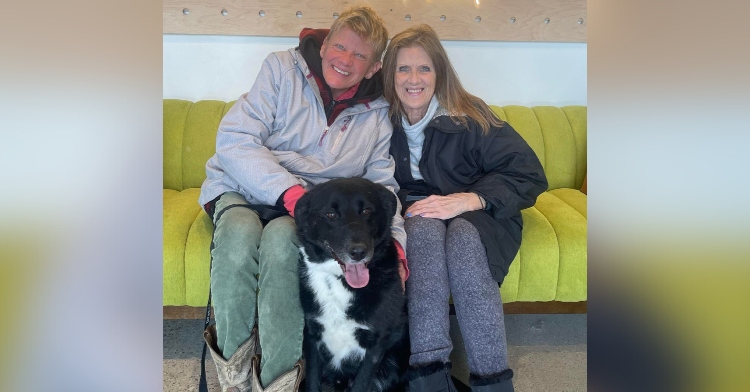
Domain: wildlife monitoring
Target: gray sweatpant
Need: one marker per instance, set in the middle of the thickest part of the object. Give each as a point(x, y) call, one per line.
point(452, 260)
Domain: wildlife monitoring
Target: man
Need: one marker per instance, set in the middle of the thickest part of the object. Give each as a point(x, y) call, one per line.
point(314, 113)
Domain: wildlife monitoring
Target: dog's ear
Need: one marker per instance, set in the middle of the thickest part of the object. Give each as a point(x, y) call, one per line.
point(302, 209)
point(388, 199)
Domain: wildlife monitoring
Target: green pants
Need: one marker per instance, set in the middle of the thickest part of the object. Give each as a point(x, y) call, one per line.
point(255, 265)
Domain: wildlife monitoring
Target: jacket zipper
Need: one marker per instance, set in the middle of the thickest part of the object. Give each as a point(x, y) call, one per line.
point(325, 132)
point(328, 111)
point(341, 134)
point(330, 107)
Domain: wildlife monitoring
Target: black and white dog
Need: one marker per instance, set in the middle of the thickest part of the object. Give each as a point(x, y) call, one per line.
point(356, 333)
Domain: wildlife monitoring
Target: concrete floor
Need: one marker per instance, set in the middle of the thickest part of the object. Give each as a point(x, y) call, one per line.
point(547, 353)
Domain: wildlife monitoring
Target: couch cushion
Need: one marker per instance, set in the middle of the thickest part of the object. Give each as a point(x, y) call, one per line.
point(533, 273)
point(198, 260)
point(551, 264)
point(180, 210)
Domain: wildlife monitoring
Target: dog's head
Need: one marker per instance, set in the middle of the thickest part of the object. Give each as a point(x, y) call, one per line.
point(346, 220)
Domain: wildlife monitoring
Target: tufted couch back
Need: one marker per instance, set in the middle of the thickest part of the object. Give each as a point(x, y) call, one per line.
point(552, 262)
point(190, 140)
point(557, 135)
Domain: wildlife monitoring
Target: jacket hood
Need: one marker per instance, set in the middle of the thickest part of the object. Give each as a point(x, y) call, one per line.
point(310, 43)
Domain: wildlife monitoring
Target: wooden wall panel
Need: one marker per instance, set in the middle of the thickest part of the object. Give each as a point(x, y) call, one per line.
point(566, 18)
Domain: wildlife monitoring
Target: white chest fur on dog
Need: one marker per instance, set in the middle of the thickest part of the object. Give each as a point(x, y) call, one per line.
point(334, 299)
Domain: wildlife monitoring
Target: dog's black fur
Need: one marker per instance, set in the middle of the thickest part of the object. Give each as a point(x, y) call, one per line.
point(341, 223)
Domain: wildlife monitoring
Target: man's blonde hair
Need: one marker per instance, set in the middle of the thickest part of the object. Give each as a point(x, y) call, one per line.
point(365, 23)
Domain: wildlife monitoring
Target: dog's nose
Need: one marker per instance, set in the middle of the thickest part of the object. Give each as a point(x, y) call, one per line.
point(357, 252)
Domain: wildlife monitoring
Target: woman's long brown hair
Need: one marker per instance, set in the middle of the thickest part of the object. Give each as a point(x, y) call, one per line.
point(448, 89)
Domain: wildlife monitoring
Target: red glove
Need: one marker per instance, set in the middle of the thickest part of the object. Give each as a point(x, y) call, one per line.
point(291, 196)
point(403, 268)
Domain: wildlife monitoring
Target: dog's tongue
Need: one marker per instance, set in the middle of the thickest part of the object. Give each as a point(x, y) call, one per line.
point(357, 275)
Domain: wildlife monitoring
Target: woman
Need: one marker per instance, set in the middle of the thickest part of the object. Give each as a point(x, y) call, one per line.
point(465, 176)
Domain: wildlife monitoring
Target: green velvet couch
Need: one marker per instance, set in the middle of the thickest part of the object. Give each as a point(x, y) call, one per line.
point(551, 265)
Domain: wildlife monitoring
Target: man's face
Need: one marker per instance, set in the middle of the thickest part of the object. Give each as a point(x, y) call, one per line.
point(347, 59)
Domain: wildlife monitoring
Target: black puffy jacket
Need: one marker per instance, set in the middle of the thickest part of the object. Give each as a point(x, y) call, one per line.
point(499, 166)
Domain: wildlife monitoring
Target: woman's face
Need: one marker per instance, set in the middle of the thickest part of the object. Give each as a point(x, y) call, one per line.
point(414, 81)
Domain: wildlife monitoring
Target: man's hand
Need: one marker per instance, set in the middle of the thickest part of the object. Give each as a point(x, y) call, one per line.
point(291, 196)
point(445, 207)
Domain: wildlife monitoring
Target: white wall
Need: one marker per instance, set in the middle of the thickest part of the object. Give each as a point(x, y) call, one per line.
point(502, 73)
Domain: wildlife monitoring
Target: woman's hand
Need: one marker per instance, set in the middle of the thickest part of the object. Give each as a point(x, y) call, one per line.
point(445, 207)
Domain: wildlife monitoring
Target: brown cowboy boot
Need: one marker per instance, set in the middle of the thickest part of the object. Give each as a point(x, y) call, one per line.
point(234, 373)
point(287, 382)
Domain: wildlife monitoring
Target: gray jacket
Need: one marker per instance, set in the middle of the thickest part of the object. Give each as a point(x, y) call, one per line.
point(276, 136)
